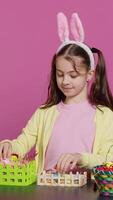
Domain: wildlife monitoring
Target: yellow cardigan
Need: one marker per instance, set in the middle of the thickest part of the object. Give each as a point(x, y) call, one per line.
point(38, 131)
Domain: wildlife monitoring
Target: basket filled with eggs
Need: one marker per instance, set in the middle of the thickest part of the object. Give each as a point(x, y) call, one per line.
point(103, 175)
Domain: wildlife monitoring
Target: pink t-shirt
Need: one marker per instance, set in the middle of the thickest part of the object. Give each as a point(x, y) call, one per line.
point(73, 132)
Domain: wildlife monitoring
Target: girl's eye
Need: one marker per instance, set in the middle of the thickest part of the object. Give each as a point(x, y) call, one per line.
point(59, 75)
point(74, 76)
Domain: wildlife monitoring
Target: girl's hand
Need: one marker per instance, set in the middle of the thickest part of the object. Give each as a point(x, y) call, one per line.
point(5, 150)
point(68, 162)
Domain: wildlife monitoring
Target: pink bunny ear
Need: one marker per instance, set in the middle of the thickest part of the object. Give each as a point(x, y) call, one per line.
point(63, 30)
point(77, 28)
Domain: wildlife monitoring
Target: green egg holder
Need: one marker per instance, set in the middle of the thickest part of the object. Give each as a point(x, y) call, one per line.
point(18, 175)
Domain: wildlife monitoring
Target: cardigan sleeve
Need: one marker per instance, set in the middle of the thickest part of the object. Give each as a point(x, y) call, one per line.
point(28, 137)
point(104, 151)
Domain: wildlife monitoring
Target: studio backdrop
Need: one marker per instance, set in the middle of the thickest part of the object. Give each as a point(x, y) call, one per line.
point(28, 40)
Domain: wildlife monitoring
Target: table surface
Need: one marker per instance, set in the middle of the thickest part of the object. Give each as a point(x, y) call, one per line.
point(34, 192)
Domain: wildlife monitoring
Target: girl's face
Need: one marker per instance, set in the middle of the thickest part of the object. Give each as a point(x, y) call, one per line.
point(69, 81)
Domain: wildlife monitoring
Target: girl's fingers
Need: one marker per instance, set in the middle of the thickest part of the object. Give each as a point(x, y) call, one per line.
point(64, 161)
point(5, 150)
point(76, 160)
point(59, 163)
point(1, 150)
point(67, 162)
point(73, 165)
point(9, 152)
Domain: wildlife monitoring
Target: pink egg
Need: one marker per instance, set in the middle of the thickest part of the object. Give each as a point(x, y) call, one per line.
point(6, 161)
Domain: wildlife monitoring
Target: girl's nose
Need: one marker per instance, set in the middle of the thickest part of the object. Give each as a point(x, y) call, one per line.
point(65, 80)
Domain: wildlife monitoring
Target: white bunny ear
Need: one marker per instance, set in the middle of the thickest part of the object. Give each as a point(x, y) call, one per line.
point(77, 28)
point(63, 30)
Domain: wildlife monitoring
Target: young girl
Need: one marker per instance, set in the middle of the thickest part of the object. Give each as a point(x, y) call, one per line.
point(74, 128)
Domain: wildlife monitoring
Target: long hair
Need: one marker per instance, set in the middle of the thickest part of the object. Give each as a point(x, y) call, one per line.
point(99, 94)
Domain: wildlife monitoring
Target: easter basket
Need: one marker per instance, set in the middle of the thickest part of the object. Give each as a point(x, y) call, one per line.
point(103, 175)
point(16, 172)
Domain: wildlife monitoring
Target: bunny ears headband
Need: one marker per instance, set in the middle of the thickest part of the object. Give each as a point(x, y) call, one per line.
point(77, 32)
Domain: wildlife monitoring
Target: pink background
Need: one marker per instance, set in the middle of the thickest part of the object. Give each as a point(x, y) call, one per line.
point(28, 39)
